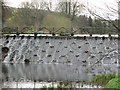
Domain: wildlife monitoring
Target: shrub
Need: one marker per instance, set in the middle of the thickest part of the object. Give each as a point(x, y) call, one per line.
point(103, 79)
point(114, 83)
point(44, 87)
point(30, 31)
point(9, 30)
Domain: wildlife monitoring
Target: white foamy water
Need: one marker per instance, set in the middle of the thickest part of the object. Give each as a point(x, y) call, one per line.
point(31, 84)
point(51, 58)
point(81, 35)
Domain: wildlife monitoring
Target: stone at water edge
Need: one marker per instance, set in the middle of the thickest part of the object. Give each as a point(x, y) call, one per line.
point(4, 52)
point(5, 49)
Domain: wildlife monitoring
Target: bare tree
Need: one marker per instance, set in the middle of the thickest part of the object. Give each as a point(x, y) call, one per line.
point(40, 7)
point(0, 15)
point(107, 14)
point(70, 8)
point(6, 11)
point(34, 13)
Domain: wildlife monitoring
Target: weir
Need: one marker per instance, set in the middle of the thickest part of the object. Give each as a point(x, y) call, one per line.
point(59, 58)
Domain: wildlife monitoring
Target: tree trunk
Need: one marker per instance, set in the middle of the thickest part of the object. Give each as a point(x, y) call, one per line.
point(70, 8)
point(119, 16)
point(66, 7)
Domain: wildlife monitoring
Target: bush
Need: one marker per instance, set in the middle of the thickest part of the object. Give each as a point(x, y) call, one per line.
point(103, 79)
point(30, 31)
point(114, 83)
point(10, 30)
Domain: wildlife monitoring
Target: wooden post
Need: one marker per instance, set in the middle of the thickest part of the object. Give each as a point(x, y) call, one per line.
point(119, 16)
point(0, 16)
point(118, 32)
point(1, 82)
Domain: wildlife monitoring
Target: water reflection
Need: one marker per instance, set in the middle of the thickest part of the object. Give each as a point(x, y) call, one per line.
point(44, 72)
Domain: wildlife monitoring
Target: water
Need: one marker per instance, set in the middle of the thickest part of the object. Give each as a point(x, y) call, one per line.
point(61, 50)
point(31, 84)
point(47, 72)
point(59, 58)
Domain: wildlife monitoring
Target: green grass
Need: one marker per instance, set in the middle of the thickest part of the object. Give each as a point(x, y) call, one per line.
point(113, 84)
point(56, 21)
point(103, 79)
point(30, 31)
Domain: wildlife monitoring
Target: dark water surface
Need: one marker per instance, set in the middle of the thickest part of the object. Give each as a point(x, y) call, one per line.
point(44, 72)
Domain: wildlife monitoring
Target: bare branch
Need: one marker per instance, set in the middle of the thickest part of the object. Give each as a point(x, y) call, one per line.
point(100, 17)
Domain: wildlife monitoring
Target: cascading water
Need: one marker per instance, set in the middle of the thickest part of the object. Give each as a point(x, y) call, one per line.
point(59, 58)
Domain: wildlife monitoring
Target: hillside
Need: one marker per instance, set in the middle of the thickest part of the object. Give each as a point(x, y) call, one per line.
point(27, 20)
